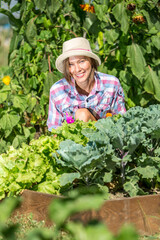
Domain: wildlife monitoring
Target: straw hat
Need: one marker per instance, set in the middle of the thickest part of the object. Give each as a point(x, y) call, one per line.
point(75, 47)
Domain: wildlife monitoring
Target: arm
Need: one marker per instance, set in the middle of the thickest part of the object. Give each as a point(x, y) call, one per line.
point(54, 116)
point(118, 104)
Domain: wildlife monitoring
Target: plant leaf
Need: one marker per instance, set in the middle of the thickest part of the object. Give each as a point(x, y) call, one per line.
point(119, 12)
point(111, 35)
point(152, 83)
point(75, 155)
point(31, 32)
point(147, 171)
point(68, 178)
point(20, 102)
point(61, 209)
point(40, 4)
point(8, 121)
point(137, 60)
point(52, 7)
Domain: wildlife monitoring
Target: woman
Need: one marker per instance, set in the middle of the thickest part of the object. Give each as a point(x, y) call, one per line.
point(83, 93)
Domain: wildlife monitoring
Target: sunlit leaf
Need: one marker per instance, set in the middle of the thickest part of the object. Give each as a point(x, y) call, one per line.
point(20, 102)
point(137, 60)
point(148, 172)
point(40, 4)
point(9, 120)
point(152, 83)
point(31, 32)
point(68, 178)
point(119, 12)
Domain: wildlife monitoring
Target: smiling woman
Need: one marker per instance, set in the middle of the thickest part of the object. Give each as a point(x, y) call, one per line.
point(83, 93)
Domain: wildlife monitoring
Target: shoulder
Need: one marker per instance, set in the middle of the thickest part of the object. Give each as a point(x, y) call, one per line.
point(60, 86)
point(60, 91)
point(107, 78)
point(108, 81)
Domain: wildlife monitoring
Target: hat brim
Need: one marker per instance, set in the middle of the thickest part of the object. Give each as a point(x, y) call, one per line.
point(63, 56)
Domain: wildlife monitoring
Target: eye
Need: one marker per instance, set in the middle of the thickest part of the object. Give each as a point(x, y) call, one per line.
point(82, 61)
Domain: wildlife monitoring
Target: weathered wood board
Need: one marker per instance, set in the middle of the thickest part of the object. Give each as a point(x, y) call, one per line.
point(142, 211)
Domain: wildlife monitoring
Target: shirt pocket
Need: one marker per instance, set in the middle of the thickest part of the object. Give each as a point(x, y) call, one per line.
point(104, 106)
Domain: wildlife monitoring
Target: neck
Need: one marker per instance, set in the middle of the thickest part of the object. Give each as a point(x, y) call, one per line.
point(85, 89)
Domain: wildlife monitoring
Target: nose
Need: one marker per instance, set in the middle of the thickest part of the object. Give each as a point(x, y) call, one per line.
point(77, 67)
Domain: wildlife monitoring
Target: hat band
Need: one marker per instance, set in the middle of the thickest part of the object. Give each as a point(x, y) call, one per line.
point(79, 49)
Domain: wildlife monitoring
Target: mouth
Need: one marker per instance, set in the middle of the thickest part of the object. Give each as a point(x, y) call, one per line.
point(80, 75)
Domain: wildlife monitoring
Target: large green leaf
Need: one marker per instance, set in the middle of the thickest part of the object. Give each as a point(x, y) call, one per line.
point(61, 209)
point(16, 8)
point(31, 32)
point(91, 23)
point(49, 80)
point(44, 65)
point(20, 102)
point(119, 12)
point(147, 171)
point(31, 102)
point(137, 60)
point(9, 120)
point(156, 41)
point(18, 140)
point(15, 41)
point(152, 83)
point(40, 4)
point(152, 19)
point(52, 7)
point(68, 178)
point(131, 186)
point(134, 141)
point(100, 43)
point(3, 96)
point(111, 35)
point(76, 156)
point(115, 132)
point(101, 10)
point(4, 93)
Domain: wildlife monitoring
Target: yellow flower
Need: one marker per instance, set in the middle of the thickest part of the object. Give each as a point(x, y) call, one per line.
point(87, 8)
point(6, 80)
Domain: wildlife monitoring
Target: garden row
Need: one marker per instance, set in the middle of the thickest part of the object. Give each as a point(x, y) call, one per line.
point(116, 154)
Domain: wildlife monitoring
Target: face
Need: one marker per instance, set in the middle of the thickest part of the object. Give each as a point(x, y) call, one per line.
point(80, 69)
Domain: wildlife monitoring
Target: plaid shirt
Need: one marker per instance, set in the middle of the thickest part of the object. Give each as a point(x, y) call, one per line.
point(106, 96)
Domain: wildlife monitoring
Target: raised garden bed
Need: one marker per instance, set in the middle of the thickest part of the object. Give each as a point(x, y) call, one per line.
point(141, 211)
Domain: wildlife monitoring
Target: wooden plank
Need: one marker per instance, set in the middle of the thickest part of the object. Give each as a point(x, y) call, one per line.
point(142, 211)
point(36, 203)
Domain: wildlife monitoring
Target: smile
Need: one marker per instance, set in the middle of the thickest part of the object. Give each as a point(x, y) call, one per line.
point(80, 75)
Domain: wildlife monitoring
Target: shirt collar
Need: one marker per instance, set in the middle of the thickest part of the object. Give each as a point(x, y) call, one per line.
point(97, 87)
point(98, 83)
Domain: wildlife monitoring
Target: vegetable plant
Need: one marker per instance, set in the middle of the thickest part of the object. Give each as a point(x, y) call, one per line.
point(124, 152)
point(116, 154)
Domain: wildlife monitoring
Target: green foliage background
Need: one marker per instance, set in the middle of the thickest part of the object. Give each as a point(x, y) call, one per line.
point(128, 49)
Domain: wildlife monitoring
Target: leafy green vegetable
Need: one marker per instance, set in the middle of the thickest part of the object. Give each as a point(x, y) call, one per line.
point(33, 166)
point(30, 166)
point(112, 154)
point(126, 148)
